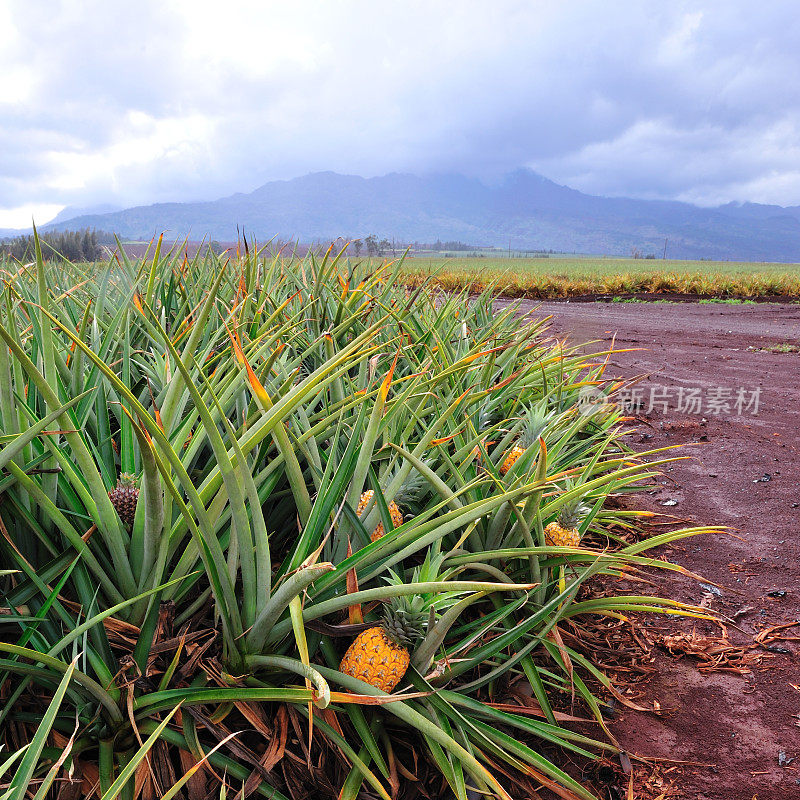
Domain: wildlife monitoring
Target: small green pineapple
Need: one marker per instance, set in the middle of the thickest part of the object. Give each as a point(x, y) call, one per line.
point(125, 497)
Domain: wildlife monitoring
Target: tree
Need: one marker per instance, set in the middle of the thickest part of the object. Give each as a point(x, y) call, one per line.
point(371, 242)
point(357, 246)
point(74, 246)
point(384, 245)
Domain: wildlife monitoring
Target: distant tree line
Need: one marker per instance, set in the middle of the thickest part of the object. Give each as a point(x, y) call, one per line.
point(369, 245)
point(83, 245)
point(373, 246)
point(454, 246)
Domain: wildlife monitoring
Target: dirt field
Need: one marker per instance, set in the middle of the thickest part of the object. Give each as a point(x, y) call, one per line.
point(740, 719)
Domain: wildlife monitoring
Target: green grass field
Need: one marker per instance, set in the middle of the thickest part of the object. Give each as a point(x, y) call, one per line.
point(572, 276)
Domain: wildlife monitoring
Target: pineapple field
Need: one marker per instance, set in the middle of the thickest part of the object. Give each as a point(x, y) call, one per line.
point(272, 527)
point(607, 277)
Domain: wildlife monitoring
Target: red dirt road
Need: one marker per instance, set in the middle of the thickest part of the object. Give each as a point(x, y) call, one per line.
point(744, 472)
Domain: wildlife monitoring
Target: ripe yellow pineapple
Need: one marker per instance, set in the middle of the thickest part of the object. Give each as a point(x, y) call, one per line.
point(564, 531)
point(556, 536)
point(394, 512)
point(537, 419)
point(124, 498)
point(511, 458)
point(380, 655)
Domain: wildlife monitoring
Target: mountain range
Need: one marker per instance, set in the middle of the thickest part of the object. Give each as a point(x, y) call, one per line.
point(524, 210)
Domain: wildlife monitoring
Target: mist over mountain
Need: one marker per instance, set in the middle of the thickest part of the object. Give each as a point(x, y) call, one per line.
point(71, 212)
point(524, 209)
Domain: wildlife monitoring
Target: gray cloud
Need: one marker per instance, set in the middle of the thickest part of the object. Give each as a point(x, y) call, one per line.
point(174, 100)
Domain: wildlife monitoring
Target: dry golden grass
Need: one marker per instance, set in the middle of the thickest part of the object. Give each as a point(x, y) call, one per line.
point(557, 277)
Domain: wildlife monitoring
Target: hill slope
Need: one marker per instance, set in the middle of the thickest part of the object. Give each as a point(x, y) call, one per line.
point(525, 209)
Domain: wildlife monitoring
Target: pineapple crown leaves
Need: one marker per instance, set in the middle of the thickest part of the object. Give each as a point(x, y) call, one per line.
point(413, 488)
point(572, 513)
point(127, 480)
point(410, 494)
point(536, 422)
point(308, 364)
point(574, 510)
point(531, 425)
point(426, 604)
point(404, 623)
point(488, 416)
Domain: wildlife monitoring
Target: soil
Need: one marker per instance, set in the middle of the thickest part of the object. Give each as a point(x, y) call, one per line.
point(739, 732)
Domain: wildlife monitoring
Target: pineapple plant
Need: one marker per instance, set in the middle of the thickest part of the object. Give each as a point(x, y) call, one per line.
point(380, 655)
point(124, 498)
point(537, 418)
point(394, 511)
point(512, 456)
point(563, 532)
point(408, 496)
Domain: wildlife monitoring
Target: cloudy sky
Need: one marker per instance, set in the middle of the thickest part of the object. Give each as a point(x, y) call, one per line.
point(105, 101)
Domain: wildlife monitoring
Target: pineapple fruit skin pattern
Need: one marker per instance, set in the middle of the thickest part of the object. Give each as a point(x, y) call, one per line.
point(124, 498)
point(394, 511)
point(375, 659)
point(513, 454)
point(556, 536)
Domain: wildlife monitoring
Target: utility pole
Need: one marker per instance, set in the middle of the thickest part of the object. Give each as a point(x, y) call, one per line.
point(509, 248)
point(665, 249)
